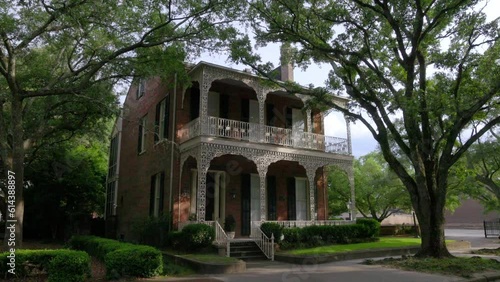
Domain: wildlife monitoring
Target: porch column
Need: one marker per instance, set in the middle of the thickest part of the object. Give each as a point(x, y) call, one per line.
point(261, 97)
point(262, 169)
point(222, 197)
point(311, 173)
point(348, 129)
point(350, 175)
point(203, 165)
point(205, 84)
point(194, 182)
point(309, 120)
point(216, 196)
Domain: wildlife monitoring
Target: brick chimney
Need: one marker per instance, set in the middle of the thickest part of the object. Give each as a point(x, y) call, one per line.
point(286, 64)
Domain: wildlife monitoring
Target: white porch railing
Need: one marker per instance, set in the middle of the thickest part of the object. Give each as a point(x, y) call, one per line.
point(239, 130)
point(189, 130)
point(303, 223)
point(265, 243)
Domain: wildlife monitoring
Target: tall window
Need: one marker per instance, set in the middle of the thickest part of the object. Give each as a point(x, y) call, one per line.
point(113, 157)
point(141, 88)
point(162, 119)
point(142, 135)
point(156, 194)
point(110, 198)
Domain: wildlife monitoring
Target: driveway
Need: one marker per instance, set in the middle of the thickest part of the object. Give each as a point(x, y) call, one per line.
point(474, 236)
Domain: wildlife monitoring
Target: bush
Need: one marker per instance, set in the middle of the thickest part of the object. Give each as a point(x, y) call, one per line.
point(198, 236)
point(137, 261)
point(151, 258)
point(175, 240)
point(373, 226)
point(152, 230)
point(61, 265)
point(272, 228)
point(69, 266)
point(292, 235)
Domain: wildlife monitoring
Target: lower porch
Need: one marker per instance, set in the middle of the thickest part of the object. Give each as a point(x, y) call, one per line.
point(234, 187)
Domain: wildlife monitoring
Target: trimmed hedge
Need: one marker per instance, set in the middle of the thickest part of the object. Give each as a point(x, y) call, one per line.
point(60, 265)
point(137, 261)
point(272, 228)
point(198, 236)
point(373, 226)
point(121, 259)
point(317, 235)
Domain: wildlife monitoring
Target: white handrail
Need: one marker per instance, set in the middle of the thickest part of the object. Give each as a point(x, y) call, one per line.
point(304, 223)
point(265, 243)
point(221, 237)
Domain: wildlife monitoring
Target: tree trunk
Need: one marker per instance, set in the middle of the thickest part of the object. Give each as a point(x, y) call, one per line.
point(14, 218)
point(430, 214)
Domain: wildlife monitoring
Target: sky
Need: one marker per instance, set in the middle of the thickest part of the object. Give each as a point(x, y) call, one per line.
point(335, 125)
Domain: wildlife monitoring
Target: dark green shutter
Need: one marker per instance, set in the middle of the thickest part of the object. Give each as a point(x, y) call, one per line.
point(166, 118)
point(157, 122)
point(162, 193)
point(271, 197)
point(152, 196)
point(291, 198)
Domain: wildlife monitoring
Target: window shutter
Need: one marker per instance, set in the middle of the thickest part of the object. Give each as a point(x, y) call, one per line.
point(162, 193)
point(157, 122)
point(291, 198)
point(166, 117)
point(224, 106)
point(245, 110)
point(139, 141)
point(152, 196)
point(270, 114)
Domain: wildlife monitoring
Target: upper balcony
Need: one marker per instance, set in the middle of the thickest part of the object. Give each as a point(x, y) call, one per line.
point(239, 106)
point(252, 132)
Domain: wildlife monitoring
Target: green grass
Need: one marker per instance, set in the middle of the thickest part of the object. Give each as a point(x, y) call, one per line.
point(212, 258)
point(384, 242)
point(458, 266)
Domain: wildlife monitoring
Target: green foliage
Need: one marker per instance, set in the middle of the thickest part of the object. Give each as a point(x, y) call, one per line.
point(67, 187)
point(175, 240)
point(319, 235)
point(229, 223)
point(373, 226)
point(272, 228)
point(136, 261)
point(198, 236)
point(380, 54)
point(152, 230)
point(61, 265)
point(121, 258)
point(378, 190)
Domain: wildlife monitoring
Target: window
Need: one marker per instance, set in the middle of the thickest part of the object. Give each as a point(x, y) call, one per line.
point(113, 157)
point(156, 194)
point(141, 88)
point(162, 119)
point(110, 198)
point(142, 136)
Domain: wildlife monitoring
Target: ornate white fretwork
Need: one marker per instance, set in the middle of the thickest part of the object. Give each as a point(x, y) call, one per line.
point(204, 153)
point(348, 129)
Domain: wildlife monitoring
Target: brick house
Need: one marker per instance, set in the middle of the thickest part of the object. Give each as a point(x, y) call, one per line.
point(241, 147)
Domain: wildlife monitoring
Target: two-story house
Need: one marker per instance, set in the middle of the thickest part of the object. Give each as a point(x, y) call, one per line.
point(227, 145)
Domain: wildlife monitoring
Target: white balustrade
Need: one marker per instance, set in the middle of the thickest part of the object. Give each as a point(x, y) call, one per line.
point(239, 130)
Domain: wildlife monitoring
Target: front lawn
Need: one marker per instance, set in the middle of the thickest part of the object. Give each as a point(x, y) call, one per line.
point(384, 242)
point(458, 266)
point(210, 258)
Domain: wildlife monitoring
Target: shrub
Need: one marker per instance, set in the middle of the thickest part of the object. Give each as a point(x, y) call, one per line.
point(292, 235)
point(61, 265)
point(272, 228)
point(198, 236)
point(373, 226)
point(137, 261)
point(175, 240)
point(151, 258)
point(152, 230)
point(69, 266)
